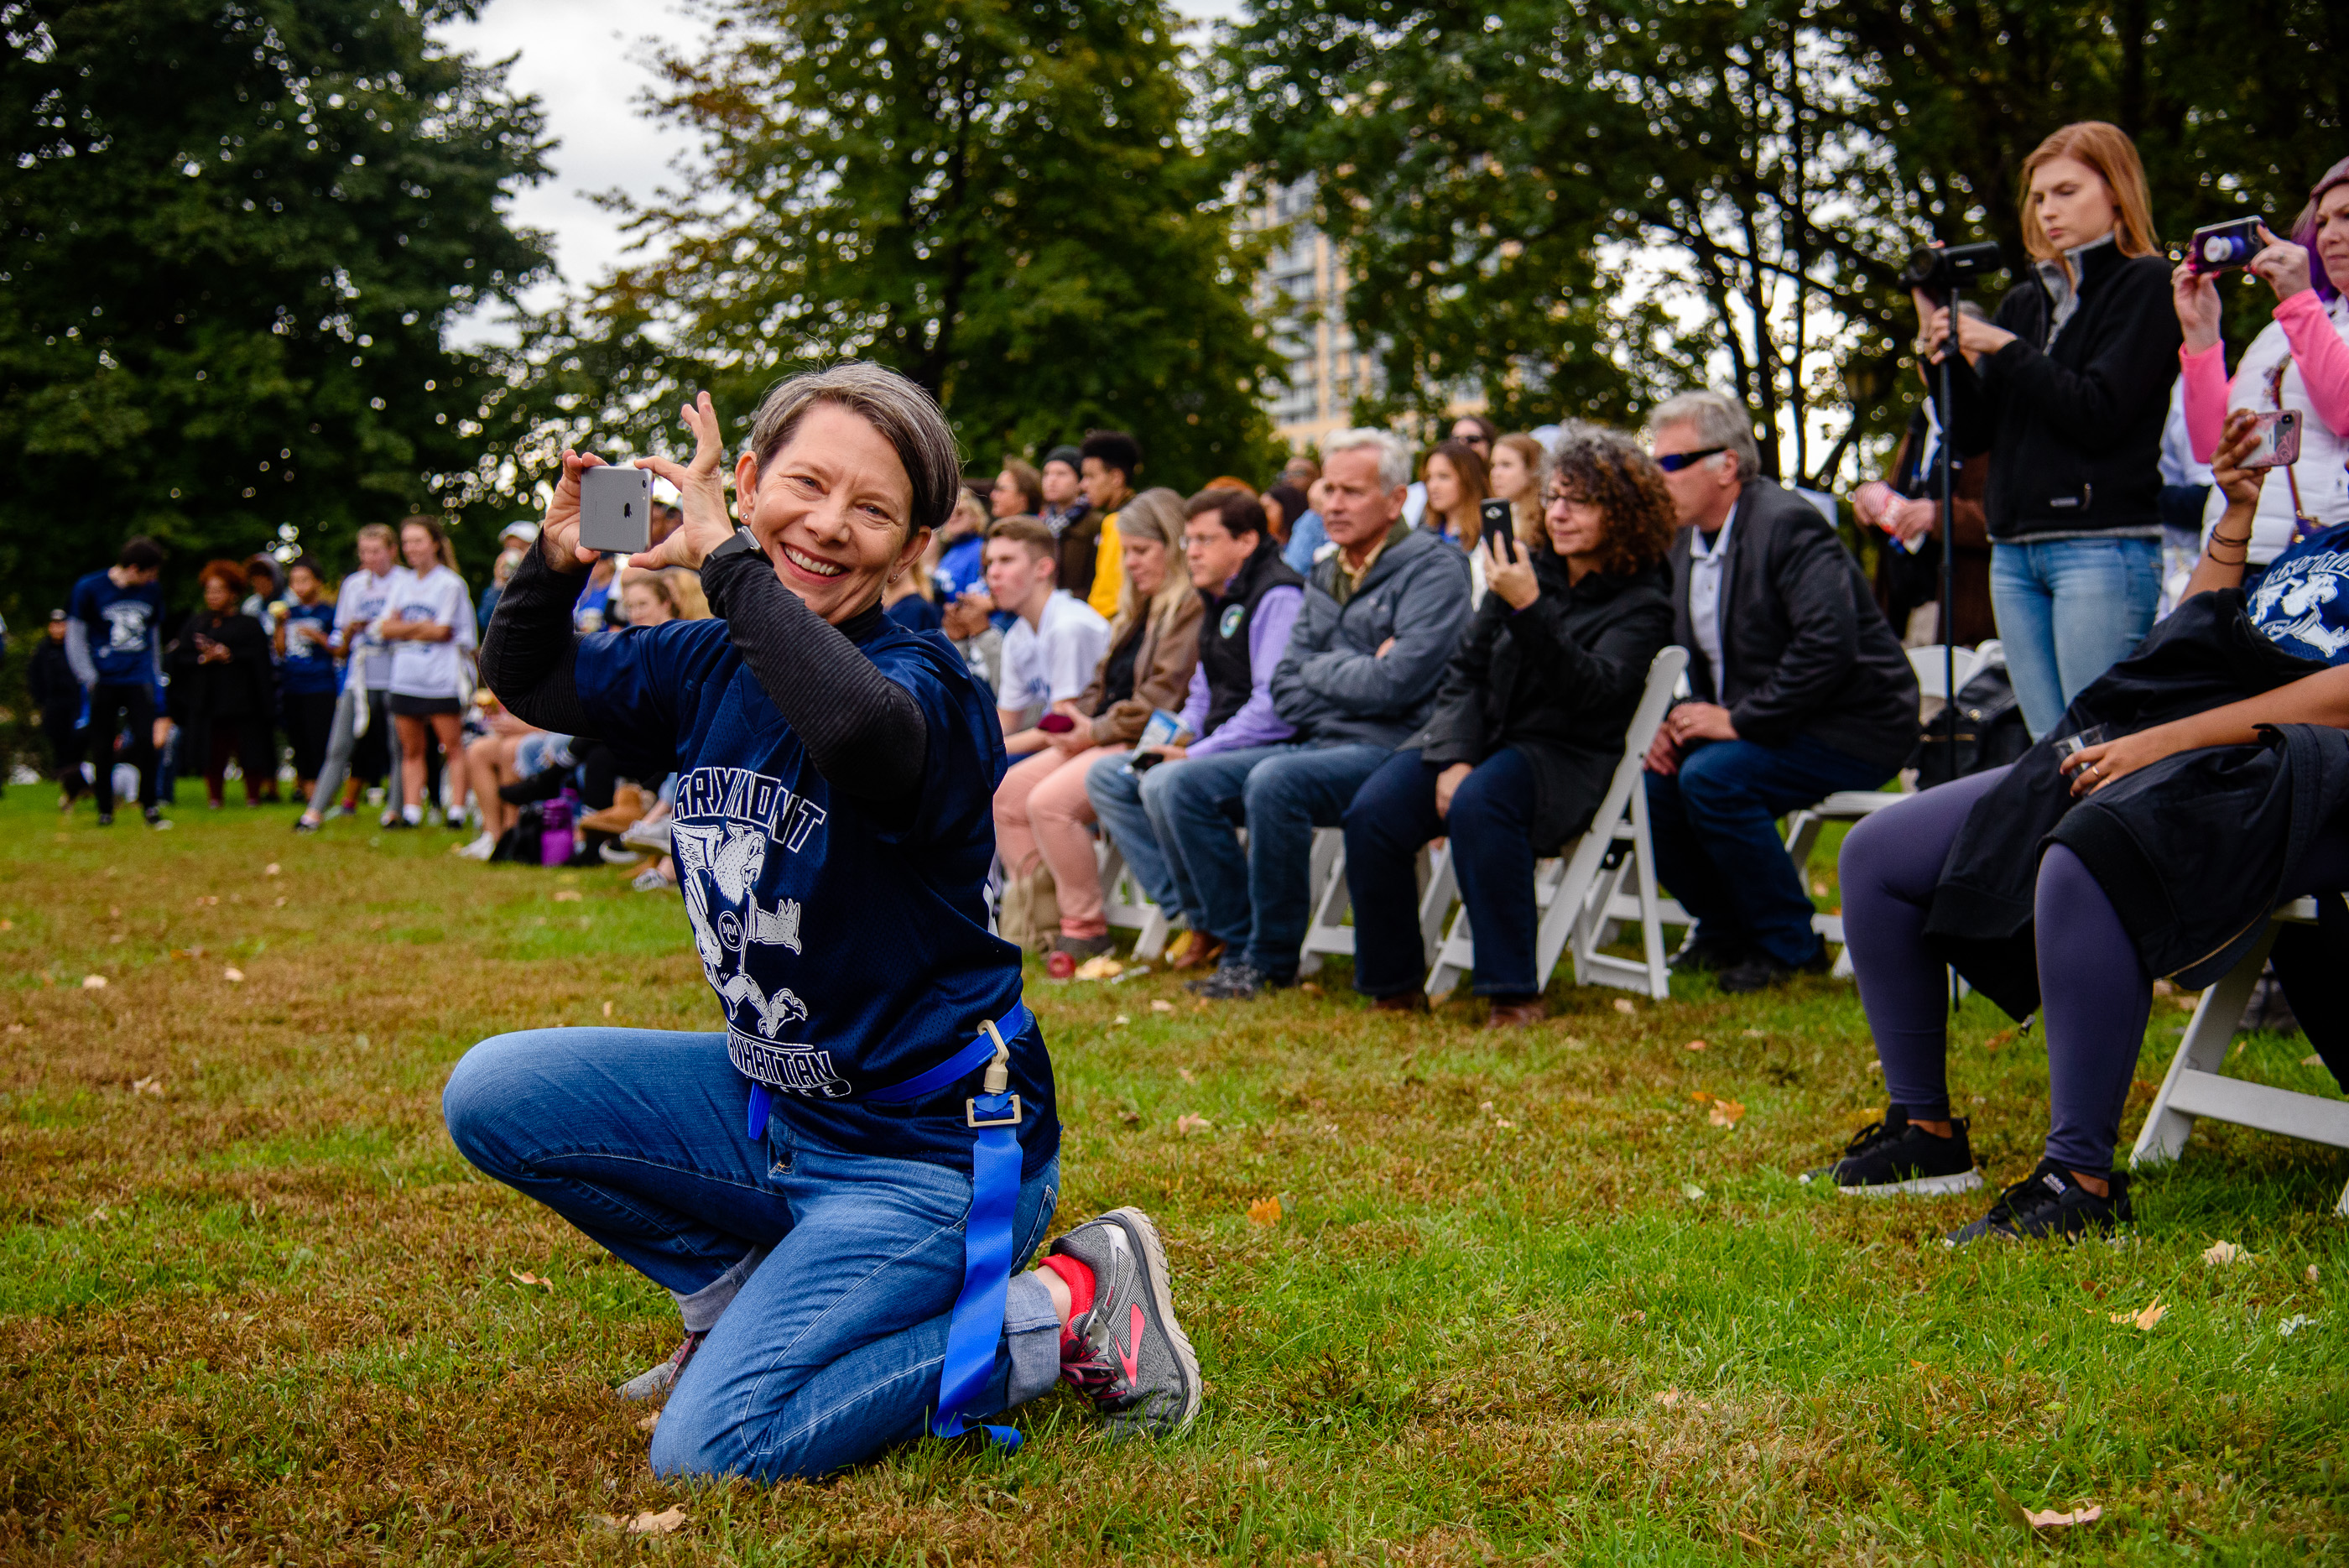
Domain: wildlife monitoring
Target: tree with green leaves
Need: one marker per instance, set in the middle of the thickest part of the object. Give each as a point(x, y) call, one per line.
point(995, 197)
point(235, 233)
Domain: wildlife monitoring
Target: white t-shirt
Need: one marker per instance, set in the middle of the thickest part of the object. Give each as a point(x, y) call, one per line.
point(1055, 659)
point(362, 597)
point(430, 668)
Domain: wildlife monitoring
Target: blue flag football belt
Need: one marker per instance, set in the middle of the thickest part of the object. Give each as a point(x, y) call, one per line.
point(993, 1117)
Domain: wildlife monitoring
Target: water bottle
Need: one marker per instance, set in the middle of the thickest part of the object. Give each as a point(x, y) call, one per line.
point(554, 830)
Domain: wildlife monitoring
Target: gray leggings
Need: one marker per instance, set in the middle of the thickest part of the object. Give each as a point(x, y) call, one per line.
point(339, 744)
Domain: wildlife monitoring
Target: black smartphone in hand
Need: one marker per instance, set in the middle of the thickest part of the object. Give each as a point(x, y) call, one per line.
point(1497, 521)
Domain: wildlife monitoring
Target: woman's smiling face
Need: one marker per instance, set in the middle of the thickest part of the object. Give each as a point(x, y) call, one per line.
point(833, 510)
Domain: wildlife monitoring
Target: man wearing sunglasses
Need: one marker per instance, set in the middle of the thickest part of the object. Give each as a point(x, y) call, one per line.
point(1800, 690)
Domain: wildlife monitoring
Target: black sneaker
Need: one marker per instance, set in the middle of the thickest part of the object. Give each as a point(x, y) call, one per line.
point(1892, 1157)
point(654, 1382)
point(1237, 980)
point(2051, 1201)
point(106, 819)
point(1136, 1365)
point(1759, 972)
point(1708, 954)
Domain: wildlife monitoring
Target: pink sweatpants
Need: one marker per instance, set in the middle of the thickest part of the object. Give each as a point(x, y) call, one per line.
point(1040, 810)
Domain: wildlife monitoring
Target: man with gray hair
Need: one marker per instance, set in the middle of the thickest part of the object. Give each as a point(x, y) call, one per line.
point(1382, 616)
point(1800, 690)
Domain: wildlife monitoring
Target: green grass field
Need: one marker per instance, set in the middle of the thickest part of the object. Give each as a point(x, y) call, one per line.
point(1524, 1298)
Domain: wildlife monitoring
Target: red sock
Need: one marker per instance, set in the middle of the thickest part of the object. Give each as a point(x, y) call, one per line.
point(1080, 1281)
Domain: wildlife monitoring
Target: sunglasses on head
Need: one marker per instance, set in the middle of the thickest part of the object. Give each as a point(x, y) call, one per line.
point(1673, 462)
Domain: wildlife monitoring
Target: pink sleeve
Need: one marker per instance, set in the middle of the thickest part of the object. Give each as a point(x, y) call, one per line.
point(2206, 397)
point(2321, 357)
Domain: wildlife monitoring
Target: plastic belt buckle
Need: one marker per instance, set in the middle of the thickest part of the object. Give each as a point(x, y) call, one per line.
point(992, 1087)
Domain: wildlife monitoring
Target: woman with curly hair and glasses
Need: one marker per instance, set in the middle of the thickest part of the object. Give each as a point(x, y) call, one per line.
point(1527, 728)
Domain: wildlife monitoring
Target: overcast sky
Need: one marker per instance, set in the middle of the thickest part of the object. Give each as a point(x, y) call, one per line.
point(589, 63)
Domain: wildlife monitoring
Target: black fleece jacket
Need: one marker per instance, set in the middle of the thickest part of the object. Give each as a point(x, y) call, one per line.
point(2075, 430)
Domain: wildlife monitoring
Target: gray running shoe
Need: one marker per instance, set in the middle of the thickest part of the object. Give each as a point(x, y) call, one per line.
point(1136, 1365)
point(654, 1382)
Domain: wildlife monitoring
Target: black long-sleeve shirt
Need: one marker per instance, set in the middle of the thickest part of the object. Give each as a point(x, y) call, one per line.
point(863, 731)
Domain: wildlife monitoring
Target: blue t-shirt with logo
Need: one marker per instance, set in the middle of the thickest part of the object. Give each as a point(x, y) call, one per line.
point(2301, 602)
point(847, 943)
point(122, 625)
point(308, 667)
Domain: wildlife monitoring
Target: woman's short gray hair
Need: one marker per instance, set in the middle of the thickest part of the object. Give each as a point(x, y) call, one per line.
point(1394, 457)
point(908, 418)
point(1718, 419)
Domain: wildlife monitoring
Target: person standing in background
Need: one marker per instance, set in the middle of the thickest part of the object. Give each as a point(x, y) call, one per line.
point(114, 641)
point(2069, 399)
point(57, 694)
point(1109, 463)
point(265, 603)
point(362, 741)
point(430, 624)
point(306, 672)
point(1477, 433)
point(221, 686)
point(1018, 491)
point(1515, 475)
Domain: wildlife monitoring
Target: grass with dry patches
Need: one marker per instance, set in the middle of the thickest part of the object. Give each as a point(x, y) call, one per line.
point(1524, 1296)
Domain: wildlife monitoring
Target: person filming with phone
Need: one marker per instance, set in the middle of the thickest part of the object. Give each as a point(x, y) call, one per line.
point(836, 1186)
point(2295, 375)
point(2068, 399)
point(1527, 727)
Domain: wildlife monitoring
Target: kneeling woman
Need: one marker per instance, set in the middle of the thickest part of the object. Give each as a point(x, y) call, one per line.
point(1528, 729)
point(2065, 883)
point(836, 1187)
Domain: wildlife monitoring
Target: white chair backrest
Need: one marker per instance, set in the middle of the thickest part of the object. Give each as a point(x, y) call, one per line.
point(1932, 671)
point(1663, 680)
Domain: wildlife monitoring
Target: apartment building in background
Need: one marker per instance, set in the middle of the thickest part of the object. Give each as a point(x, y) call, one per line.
point(1302, 292)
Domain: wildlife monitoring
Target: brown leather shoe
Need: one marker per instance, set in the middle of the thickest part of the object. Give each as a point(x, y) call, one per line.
point(1408, 1002)
point(1192, 949)
point(1516, 1014)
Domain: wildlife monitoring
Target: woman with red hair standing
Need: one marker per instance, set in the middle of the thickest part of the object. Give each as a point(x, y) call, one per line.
point(221, 687)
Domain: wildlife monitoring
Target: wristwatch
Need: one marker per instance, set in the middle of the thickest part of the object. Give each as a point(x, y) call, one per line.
point(743, 543)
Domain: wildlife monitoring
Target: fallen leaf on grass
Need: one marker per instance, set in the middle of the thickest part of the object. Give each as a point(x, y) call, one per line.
point(2312, 1060)
point(1696, 1046)
point(7, 925)
point(281, 901)
point(2044, 1518)
point(209, 899)
point(2186, 1003)
point(1160, 1005)
point(15, 1029)
point(2218, 1252)
point(2164, 988)
point(1757, 1034)
point(270, 870)
point(608, 1010)
point(1699, 1095)
point(1692, 1192)
point(649, 1422)
point(1725, 1113)
point(2144, 1319)
point(1624, 1004)
point(93, 982)
point(152, 1084)
point(1187, 1124)
point(232, 975)
point(525, 1278)
point(1130, 1118)
point(1309, 988)
point(1818, 890)
point(2294, 1323)
point(667, 1522)
point(1186, 1075)
point(1264, 1212)
point(1119, 1019)
point(2004, 1037)
point(567, 895)
point(2312, 1273)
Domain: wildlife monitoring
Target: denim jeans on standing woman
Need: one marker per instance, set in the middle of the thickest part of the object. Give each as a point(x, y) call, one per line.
point(2068, 610)
point(835, 1273)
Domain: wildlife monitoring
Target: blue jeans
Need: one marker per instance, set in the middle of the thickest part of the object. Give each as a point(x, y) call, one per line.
point(825, 1280)
point(1491, 829)
point(1116, 796)
point(2068, 610)
point(1282, 794)
point(1715, 828)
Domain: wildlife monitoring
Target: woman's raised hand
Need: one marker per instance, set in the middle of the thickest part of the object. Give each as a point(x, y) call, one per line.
point(2282, 264)
point(701, 492)
point(2241, 438)
point(558, 531)
point(1509, 574)
point(2194, 295)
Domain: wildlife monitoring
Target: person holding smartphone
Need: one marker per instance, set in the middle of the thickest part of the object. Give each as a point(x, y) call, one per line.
point(835, 1186)
point(2068, 399)
point(1527, 727)
point(2298, 363)
point(2065, 882)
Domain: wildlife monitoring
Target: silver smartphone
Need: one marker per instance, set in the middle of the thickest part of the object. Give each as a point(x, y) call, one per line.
point(616, 509)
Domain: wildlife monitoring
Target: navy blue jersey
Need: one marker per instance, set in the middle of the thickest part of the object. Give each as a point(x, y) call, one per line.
point(309, 667)
point(847, 945)
point(123, 626)
point(2302, 603)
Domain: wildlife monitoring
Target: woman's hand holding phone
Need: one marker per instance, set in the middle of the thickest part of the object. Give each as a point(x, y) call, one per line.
point(701, 492)
point(558, 531)
point(1509, 571)
point(2284, 264)
point(2242, 438)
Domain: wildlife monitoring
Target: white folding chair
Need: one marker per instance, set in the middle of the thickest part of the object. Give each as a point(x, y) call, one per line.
point(1328, 933)
point(1929, 664)
point(2198, 1086)
point(1122, 903)
point(1607, 877)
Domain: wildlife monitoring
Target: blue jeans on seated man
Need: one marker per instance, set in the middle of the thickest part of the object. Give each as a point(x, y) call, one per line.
point(2068, 610)
point(825, 1279)
point(1714, 825)
point(1491, 829)
point(1257, 905)
point(1116, 796)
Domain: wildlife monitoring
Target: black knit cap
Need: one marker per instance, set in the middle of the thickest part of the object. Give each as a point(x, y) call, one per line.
point(1067, 455)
